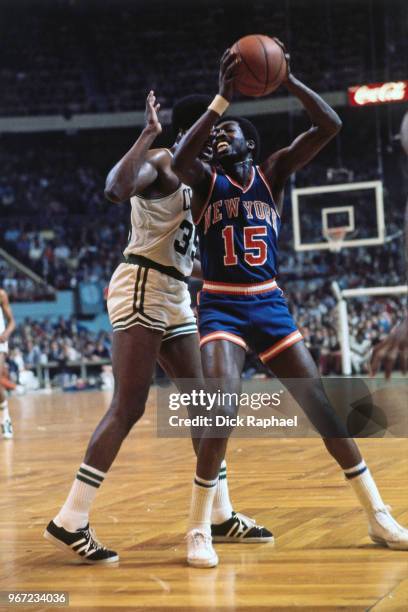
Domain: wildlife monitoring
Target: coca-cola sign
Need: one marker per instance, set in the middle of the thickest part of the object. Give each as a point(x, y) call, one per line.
point(378, 93)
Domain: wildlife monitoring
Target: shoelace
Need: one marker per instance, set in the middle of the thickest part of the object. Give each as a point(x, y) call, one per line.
point(93, 544)
point(246, 521)
point(198, 537)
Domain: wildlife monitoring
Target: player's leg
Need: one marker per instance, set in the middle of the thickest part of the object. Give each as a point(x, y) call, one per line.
point(297, 363)
point(222, 363)
point(5, 420)
point(134, 355)
point(181, 359)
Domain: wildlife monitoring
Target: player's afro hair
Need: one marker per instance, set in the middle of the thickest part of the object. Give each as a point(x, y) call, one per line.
point(249, 131)
point(187, 110)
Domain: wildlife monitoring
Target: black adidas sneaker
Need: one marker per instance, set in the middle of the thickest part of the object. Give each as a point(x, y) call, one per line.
point(240, 528)
point(81, 543)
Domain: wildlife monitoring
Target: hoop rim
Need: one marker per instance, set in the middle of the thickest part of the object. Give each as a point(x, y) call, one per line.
point(335, 236)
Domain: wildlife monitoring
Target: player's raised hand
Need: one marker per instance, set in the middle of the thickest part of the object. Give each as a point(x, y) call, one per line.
point(228, 68)
point(387, 351)
point(152, 113)
point(287, 57)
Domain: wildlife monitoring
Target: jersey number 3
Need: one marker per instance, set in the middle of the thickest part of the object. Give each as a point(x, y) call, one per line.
point(256, 249)
point(189, 233)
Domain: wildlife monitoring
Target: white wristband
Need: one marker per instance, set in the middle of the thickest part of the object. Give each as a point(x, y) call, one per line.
point(219, 105)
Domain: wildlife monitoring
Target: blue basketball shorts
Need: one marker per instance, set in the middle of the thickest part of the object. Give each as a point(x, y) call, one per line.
point(255, 316)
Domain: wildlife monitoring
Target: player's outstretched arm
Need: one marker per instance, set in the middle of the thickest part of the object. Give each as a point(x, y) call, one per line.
point(325, 125)
point(11, 325)
point(138, 169)
point(186, 163)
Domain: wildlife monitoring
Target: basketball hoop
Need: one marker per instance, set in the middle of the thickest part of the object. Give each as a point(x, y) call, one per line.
point(335, 237)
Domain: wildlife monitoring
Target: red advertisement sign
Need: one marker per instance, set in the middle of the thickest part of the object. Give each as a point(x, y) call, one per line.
point(378, 93)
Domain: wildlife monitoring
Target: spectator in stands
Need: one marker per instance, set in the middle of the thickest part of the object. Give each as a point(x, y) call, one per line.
point(359, 352)
point(101, 351)
point(70, 352)
point(32, 355)
point(61, 251)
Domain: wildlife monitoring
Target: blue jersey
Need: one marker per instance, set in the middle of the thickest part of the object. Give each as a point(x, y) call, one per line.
point(238, 231)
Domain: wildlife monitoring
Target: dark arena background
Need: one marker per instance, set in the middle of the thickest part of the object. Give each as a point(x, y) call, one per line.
point(74, 75)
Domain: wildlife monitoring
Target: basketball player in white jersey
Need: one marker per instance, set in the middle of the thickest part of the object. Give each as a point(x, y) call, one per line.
point(149, 308)
point(7, 326)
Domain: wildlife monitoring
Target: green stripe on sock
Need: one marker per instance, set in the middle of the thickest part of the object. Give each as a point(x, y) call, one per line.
point(88, 482)
point(90, 474)
point(205, 485)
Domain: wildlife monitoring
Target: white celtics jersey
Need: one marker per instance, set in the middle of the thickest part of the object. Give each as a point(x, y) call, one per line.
point(162, 230)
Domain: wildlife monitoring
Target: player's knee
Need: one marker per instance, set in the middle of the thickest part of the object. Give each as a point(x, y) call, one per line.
point(318, 409)
point(127, 418)
point(128, 408)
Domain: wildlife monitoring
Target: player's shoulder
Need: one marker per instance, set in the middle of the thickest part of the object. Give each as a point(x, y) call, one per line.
point(3, 297)
point(159, 157)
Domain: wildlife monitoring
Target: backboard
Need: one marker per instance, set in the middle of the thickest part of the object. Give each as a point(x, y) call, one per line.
point(358, 208)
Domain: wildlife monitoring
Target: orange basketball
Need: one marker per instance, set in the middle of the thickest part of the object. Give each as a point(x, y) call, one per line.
point(263, 66)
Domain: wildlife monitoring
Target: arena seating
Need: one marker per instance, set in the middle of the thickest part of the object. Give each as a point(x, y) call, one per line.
point(82, 57)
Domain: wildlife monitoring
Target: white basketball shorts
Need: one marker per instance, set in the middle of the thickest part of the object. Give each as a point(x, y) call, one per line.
point(144, 296)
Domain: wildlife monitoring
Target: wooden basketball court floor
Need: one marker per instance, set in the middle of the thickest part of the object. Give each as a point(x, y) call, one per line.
point(322, 558)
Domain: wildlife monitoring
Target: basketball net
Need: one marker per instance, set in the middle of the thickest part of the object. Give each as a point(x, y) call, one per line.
point(335, 237)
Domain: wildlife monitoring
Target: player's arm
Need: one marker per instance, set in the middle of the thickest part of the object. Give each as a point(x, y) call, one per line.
point(139, 168)
point(11, 325)
point(189, 168)
point(197, 272)
point(186, 164)
point(325, 125)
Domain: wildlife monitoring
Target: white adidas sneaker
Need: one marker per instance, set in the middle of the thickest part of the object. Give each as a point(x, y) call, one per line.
point(200, 551)
point(384, 529)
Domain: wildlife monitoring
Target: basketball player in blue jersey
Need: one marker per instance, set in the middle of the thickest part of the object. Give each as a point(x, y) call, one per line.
point(237, 209)
point(149, 308)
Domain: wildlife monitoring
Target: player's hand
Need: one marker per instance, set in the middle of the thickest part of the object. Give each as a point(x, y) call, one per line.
point(228, 67)
point(3, 338)
point(287, 57)
point(387, 351)
point(152, 114)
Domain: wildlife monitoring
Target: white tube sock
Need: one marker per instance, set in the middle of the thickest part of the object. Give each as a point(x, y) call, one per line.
point(74, 514)
point(222, 508)
point(364, 487)
point(201, 504)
